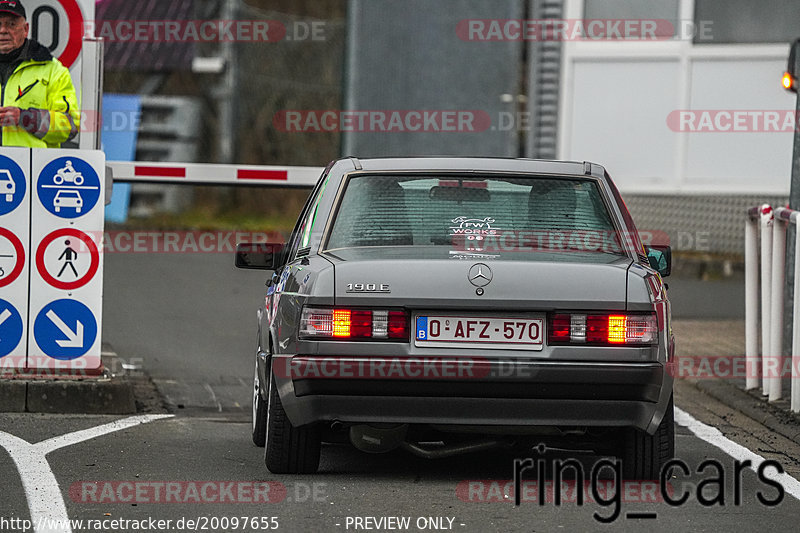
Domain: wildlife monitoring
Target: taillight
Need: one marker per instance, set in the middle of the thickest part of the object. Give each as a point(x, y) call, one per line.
point(398, 325)
point(339, 323)
point(616, 329)
point(559, 328)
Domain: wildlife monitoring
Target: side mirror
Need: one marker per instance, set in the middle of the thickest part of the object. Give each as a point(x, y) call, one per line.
point(660, 258)
point(258, 256)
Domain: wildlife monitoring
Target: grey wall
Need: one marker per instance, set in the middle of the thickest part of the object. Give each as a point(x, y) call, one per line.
point(407, 55)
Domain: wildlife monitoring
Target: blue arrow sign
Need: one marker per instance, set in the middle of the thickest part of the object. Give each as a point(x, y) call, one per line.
point(12, 185)
point(10, 328)
point(65, 329)
point(68, 187)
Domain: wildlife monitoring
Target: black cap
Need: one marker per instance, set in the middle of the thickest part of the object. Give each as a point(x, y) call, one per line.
point(14, 7)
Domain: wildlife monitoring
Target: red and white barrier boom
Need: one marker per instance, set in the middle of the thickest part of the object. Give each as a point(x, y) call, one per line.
point(207, 174)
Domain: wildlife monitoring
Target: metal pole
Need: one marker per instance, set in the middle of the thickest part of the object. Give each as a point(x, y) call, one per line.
point(794, 203)
point(776, 311)
point(351, 72)
point(766, 223)
point(796, 322)
point(227, 91)
point(751, 301)
point(91, 101)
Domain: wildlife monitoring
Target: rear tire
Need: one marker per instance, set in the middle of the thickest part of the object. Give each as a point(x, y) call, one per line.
point(259, 413)
point(645, 455)
point(289, 449)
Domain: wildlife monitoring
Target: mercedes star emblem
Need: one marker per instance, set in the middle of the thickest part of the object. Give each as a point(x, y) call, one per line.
point(480, 275)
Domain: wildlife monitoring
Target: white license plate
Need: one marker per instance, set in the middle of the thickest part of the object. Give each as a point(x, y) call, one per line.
point(464, 332)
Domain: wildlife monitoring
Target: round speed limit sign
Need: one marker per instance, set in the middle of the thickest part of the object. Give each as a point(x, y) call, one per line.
point(59, 26)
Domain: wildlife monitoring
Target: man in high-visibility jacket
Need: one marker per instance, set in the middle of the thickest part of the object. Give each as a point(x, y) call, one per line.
point(38, 106)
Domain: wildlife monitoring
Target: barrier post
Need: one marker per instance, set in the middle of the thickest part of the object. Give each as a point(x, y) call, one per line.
point(92, 95)
point(780, 223)
point(766, 222)
point(751, 298)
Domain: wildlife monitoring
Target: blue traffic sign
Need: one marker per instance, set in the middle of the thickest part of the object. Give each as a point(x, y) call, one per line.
point(68, 187)
point(10, 328)
point(65, 329)
point(12, 185)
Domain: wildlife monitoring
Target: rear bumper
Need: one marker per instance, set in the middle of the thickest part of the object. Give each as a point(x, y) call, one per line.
point(510, 392)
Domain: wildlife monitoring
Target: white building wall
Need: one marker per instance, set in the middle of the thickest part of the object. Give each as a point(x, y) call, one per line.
point(619, 106)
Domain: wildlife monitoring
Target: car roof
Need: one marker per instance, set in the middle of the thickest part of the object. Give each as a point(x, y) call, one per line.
point(477, 164)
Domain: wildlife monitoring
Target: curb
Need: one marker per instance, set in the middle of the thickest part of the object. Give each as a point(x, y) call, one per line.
point(13, 396)
point(779, 420)
point(104, 396)
point(107, 394)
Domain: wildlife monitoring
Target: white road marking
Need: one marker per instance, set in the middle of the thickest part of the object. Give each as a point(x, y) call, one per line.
point(715, 437)
point(41, 487)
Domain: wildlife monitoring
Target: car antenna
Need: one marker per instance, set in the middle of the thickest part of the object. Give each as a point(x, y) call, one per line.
point(356, 163)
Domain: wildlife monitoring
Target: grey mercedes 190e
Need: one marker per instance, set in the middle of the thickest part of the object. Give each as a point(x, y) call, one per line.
point(447, 305)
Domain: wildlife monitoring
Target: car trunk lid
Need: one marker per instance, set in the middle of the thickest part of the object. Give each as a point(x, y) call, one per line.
point(425, 283)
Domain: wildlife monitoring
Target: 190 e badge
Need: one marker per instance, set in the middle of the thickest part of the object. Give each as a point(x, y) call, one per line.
point(368, 287)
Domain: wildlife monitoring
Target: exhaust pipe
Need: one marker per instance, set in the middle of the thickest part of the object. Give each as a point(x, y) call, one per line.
point(442, 452)
point(375, 439)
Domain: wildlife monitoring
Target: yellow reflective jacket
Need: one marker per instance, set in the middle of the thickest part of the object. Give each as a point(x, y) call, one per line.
point(42, 88)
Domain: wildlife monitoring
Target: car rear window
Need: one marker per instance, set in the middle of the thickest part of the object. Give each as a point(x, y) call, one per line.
point(492, 215)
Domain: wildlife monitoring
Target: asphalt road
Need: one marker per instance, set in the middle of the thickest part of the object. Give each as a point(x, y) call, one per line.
point(190, 321)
